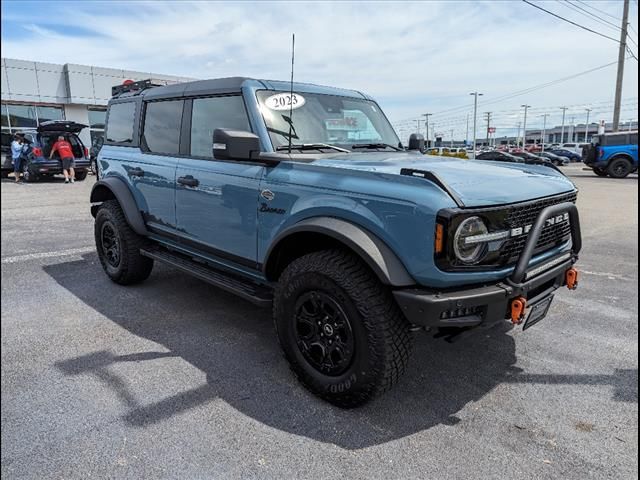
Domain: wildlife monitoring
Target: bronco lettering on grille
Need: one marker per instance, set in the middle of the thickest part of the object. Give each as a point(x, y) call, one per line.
point(515, 232)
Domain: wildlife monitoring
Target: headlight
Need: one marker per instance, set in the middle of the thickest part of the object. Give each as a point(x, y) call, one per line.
point(469, 252)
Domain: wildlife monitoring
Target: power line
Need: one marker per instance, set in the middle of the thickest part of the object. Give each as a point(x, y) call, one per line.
point(569, 21)
point(518, 93)
point(586, 13)
point(598, 10)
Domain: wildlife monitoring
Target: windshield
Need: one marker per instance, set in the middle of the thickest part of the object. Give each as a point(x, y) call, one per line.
point(324, 119)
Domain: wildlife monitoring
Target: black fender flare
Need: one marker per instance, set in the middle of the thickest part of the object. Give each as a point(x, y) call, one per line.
point(110, 187)
point(370, 248)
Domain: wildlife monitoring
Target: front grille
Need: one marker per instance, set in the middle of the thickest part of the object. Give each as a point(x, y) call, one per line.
point(522, 215)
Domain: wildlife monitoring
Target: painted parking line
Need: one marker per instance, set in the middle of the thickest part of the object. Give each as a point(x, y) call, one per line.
point(37, 256)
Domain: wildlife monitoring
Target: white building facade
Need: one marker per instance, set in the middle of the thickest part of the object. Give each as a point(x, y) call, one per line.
point(33, 92)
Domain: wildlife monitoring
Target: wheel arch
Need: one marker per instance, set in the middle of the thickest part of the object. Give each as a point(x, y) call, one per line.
point(320, 233)
point(113, 188)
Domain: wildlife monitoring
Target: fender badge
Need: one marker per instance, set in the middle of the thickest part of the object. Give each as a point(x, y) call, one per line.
point(267, 195)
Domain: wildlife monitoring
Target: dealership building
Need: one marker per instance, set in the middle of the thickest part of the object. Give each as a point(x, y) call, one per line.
point(33, 92)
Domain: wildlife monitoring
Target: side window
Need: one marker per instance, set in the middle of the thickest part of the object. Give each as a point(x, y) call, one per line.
point(162, 121)
point(120, 123)
point(211, 113)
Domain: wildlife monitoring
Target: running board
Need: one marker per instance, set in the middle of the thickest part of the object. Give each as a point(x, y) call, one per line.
point(257, 294)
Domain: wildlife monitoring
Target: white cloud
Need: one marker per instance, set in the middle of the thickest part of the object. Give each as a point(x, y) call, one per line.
point(413, 57)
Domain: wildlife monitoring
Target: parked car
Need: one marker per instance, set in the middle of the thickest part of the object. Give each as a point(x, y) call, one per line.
point(6, 163)
point(323, 215)
point(93, 155)
point(498, 156)
point(555, 159)
point(41, 141)
point(570, 154)
point(613, 154)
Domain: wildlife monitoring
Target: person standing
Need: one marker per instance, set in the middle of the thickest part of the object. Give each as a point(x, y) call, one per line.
point(65, 152)
point(16, 155)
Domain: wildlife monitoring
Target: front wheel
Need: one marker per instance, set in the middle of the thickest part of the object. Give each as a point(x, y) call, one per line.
point(600, 172)
point(340, 329)
point(119, 246)
point(619, 167)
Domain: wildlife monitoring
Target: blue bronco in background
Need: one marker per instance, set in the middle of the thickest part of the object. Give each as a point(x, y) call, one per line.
point(303, 198)
point(613, 154)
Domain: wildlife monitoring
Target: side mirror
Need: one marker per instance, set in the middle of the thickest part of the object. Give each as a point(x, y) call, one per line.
point(235, 144)
point(416, 142)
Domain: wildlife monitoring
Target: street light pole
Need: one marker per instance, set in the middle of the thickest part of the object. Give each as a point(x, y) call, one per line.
point(564, 109)
point(475, 120)
point(426, 120)
point(524, 130)
point(452, 138)
point(488, 114)
point(586, 127)
point(518, 135)
point(466, 137)
point(544, 127)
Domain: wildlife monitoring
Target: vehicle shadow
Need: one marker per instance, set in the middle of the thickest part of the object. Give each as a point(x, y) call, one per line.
point(235, 345)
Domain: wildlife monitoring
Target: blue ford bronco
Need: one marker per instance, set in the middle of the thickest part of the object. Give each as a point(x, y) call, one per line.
point(613, 154)
point(303, 198)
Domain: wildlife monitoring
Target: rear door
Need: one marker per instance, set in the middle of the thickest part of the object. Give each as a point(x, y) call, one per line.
point(216, 201)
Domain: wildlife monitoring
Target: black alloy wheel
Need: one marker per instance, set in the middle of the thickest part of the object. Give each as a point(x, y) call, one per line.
point(323, 333)
point(110, 244)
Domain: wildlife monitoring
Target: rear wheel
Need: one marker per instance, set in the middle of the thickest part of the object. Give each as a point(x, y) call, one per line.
point(119, 246)
point(341, 330)
point(600, 172)
point(81, 175)
point(619, 167)
point(27, 174)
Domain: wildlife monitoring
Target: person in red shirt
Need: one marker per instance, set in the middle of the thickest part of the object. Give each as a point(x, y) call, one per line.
point(65, 152)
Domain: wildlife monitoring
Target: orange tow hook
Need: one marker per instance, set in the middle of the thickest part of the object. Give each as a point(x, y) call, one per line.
point(518, 306)
point(572, 278)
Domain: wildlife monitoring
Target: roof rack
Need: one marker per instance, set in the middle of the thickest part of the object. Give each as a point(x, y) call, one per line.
point(129, 86)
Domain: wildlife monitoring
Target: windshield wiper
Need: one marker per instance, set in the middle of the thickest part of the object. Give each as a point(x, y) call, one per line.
point(376, 146)
point(311, 146)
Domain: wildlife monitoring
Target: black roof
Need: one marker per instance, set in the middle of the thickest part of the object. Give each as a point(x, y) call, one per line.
point(195, 88)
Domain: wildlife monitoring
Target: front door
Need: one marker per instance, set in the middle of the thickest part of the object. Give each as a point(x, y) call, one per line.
point(217, 201)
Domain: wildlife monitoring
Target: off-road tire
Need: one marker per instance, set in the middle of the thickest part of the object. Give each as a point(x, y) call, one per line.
point(600, 172)
point(381, 335)
point(132, 267)
point(81, 175)
point(619, 167)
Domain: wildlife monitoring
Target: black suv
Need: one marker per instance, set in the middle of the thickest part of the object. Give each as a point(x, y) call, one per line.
point(40, 143)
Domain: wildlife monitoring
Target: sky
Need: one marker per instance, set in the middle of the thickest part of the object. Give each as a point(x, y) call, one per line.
point(413, 57)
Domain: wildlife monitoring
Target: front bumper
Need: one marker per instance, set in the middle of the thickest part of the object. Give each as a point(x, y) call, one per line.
point(473, 306)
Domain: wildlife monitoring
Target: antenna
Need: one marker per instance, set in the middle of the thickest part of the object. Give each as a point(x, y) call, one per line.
point(293, 49)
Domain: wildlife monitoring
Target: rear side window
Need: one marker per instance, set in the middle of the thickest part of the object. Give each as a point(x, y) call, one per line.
point(120, 123)
point(162, 121)
point(211, 113)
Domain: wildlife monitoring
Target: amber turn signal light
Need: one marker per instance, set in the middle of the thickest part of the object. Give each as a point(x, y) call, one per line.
point(571, 278)
point(518, 306)
point(439, 240)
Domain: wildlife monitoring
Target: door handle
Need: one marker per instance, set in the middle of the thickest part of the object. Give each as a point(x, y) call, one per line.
point(136, 172)
point(188, 181)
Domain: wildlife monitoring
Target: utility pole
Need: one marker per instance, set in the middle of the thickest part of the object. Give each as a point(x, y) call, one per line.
point(518, 136)
point(564, 109)
point(573, 129)
point(418, 126)
point(621, 53)
point(475, 120)
point(586, 128)
point(544, 127)
point(452, 138)
point(524, 130)
point(488, 114)
point(426, 121)
point(629, 129)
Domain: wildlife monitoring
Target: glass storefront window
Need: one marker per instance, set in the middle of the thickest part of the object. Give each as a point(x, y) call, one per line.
point(5, 117)
point(22, 116)
point(97, 118)
point(49, 113)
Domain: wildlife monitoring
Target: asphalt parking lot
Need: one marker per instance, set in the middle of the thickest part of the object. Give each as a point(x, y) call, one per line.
point(176, 379)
